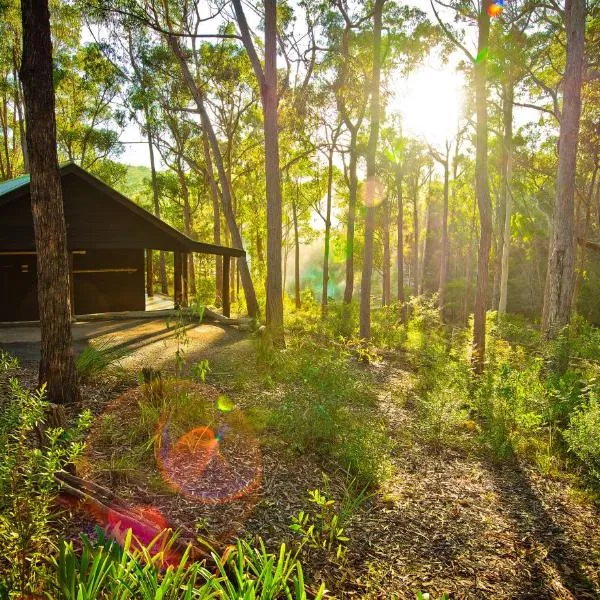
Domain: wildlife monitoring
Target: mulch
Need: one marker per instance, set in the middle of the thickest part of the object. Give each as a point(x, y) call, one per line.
point(449, 521)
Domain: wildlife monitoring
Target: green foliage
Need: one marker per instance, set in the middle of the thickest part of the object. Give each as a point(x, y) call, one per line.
point(30, 457)
point(200, 370)
point(99, 357)
point(387, 331)
point(583, 434)
point(8, 362)
point(322, 526)
point(426, 596)
point(104, 570)
point(325, 407)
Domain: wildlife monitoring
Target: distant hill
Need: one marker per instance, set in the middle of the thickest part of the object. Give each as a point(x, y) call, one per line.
point(135, 184)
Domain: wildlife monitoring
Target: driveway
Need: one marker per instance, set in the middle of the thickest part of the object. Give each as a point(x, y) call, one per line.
point(146, 342)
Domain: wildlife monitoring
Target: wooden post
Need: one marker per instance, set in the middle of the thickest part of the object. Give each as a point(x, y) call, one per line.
point(149, 274)
point(225, 294)
point(184, 272)
point(72, 285)
point(177, 291)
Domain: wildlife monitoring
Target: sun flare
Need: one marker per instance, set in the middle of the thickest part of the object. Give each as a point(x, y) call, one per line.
point(430, 102)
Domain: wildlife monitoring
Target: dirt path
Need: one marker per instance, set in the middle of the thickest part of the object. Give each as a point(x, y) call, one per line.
point(453, 522)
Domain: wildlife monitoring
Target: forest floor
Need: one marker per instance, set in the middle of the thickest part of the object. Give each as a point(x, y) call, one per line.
point(448, 519)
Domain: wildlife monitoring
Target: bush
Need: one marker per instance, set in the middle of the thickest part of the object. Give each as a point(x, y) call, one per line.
point(28, 488)
point(98, 358)
point(583, 435)
point(329, 409)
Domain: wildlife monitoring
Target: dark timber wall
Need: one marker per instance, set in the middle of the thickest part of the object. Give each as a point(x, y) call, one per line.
point(107, 235)
point(18, 290)
point(106, 241)
point(108, 281)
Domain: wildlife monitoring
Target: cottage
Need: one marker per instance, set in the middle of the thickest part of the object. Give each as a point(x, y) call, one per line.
point(108, 238)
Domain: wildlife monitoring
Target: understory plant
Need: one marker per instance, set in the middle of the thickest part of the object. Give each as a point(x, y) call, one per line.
point(99, 357)
point(105, 570)
point(31, 455)
point(326, 406)
point(583, 435)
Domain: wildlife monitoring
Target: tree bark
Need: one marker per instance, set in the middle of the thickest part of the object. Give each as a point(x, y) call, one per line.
point(386, 292)
point(214, 194)
point(324, 292)
point(371, 190)
point(296, 257)
point(187, 225)
point(561, 259)
point(444, 249)
point(162, 264)
point(507, 158)
point(426, 235)
point(352, 193)
point(400, 243)
point(251, 302)
point(482, 191)
point(415, 256)
point(19, 110)
point(57, 367)
point(268, 85)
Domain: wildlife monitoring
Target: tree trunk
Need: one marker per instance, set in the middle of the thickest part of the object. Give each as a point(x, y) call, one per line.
point(482, 191)
point(324, 292)
point(296, 257)
point(251, 302)
point(352, 192)
point(214, 194)
point(561, 259)
point(187, 226)
point(415, 256)
point(444, 249)
point(400, 243)
point(386, 292)
point(268, 86)
point(426, 236)
point(371, 190)
point(57, 367)
point(19, 110)
point(507, 158)
point(162, 264)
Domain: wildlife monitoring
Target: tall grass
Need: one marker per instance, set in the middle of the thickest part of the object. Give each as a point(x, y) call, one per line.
point(104, 570)
point(99, 357)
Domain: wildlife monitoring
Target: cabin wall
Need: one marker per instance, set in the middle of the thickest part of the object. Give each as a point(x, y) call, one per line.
point(18, 296)
point(104, 281)
point(108, 281)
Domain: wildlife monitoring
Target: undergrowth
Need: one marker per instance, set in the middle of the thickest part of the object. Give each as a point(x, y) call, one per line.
point(30, 457)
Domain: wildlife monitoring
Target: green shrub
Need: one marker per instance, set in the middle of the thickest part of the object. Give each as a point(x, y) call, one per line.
point(387, 331)
point(583, 435)
point(342, 319)
point(28, 488)
point(8, 362)
point(328, 408)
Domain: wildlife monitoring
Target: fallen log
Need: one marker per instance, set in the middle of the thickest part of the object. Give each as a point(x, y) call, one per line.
point(111, 511)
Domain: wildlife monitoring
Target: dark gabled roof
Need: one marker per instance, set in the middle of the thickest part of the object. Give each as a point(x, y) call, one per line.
point(19, 187)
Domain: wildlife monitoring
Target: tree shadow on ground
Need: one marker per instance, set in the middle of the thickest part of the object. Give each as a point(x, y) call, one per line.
point(555, 562)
